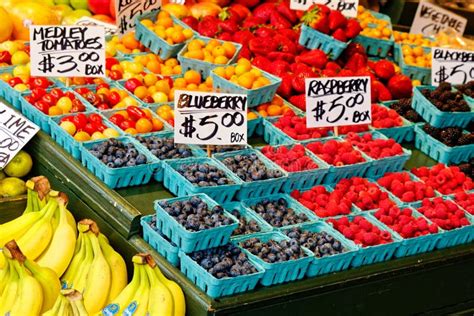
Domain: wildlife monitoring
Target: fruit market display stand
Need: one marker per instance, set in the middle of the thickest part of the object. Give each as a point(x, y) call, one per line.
point(440, 281)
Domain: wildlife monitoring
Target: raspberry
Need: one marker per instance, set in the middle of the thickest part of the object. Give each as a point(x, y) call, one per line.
point(433, 228)
point(348, 233)
point(365, 225)
point(370, 239)
point(408, 197)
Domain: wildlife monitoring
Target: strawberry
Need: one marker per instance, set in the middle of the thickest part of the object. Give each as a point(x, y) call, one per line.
point(352, 28)
point(280, 67)
point(298, 101)
point(285, 45)
point(317, 18)
point(298, 82)
point(262, 47)
point(191, 22)
point(285, 88)
point(262, 63)
point(245, 53)
point(281, 56)
point(229, 25)
point(331, 65)
point(239, 10)
point(400, 86)
point(278, 21)
point(208, 26)
point(252, 22)
point(264, 31)
point(322, 25)
point(247, 3)
point(242, 37)
point(339, 35)
point(299, 67)
point(284, 9)
point(384, 69)
point(225, 36)
point(384, 94)
point(263, 11)
point(290, 34)
point(314, 58)
point(336, 20)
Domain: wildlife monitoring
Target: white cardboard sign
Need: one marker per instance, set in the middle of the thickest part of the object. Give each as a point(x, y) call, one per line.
point(110, 29)
point(338, 101)
point(451, 65)
point(347, 7)
point(430, 19)
point(67, 51)
point(126, 12)
point(15, 132)
point(207, 118)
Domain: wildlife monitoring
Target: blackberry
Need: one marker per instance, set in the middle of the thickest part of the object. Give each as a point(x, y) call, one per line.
point(412, 116)
point(426, 93)
point(466, 139)
point(445, 96)
point(444, 86)
point(450, 135)
point(431, 130)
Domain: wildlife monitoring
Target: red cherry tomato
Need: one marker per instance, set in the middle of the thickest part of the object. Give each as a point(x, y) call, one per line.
point(117, 119)
point(103, 107)
point(82, 91)
point(89, 128)
point(99, 126)
point(103, 85)
point(80, 120)
point(135, 113)
point(57, 93)
point(29, 99)
point(41, 82)
point(37, 93)
point(96, 118)
point(5, 57)
point(42, 106)
point(50, 99)
point(109, 62)
point(127, 124)
point(70, 95)
point(67, 119)
point(115, 75)
point(114, 98)
point(14, 81)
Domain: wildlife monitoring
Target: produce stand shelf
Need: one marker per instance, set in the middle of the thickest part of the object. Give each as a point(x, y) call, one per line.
point(439, 282)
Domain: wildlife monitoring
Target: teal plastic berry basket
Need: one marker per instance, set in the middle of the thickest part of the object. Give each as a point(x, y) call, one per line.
point(417, 245)
point(279, 272)
point(180, 186)
point(216, 288)
point(204, 67)
point(255, 97)
point(159, 242)
point(68, 142)
point(333, 263)
point(260, 129)
point(401, 134)
point(43, 120)
point(248, 215)
point(189, 241)
point(336, 173)
point(155, 43)
point(253, 125)
point(166, 127)
point(306, 179)
point(260, 187)
point(272, 134)
point(434, 116)
point(457, 236)
point(440, 151)
point(423, 74)
point(124, 176)
point(378, 253)
point(292, 203)
point(312, 39)
point(388, 164)
point(159, 174)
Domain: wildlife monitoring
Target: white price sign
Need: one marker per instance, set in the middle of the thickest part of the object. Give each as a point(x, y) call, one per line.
point(110, 29)
point(126, 12)
point(347, 7)
point(338, 101)
point(207, 118)
point(67, 51)
point(15, 132)
point(430, 19)
point(451, 65)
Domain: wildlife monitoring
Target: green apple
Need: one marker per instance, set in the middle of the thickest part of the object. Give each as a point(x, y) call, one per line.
point(11, 187)
point(79, 4)
point(20, 165)
point(72, 17)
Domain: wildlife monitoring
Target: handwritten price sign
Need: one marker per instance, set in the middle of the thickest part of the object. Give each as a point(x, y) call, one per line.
point(206, 118)
point(67, 51)
point(127, 10)
point(431, 19)
point(15, 133)
point(451, 65)
point(338, 101)
point(110, 29)
point(347, 7)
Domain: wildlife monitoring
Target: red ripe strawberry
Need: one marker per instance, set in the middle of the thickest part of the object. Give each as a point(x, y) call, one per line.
point(242, 37)
point(228, 25)
point(336, 20)
point(191, 22)
point(284, 9)
point(262, 63)
point(340, 35)
point(400, 86)
point(262, 47)
point(321, 25)
point(245, 53)
point(352, 28)
point(314, 58)
point(280, 67)
point(263, 11)
point(356, 61)
point(380, 91)
point(278, 21)
point(298, 101)
point(331, 65)
point(240, 10)
point(285, 88)
point(252, 22)
point(291, 34)
point(208, 26)
point(384, 69)
point(247, 3)
point(298, 81)
point(264, 31)
point(225, 36)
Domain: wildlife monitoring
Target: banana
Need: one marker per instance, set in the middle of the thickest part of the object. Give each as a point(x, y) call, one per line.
point(71, 222)
point(49, 282)
point(38, 237)
point(117, 265)
point(179, 308)
point(161, 300)
point(77, 302)
point(38, 189)
point(4, 272)
point(18, 227)
point(125, 297)
point(65, 308)
point(30, 293)
point(76, 262)
point(139, 304)
point(79, 279)
point(54, 311)
point(60, 250)
point(9, 294)
point(98, 282)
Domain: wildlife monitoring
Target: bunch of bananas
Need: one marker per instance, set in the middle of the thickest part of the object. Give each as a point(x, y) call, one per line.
point(149, 293)
point(69, 302)
point(46, 231)
point(96, 270)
